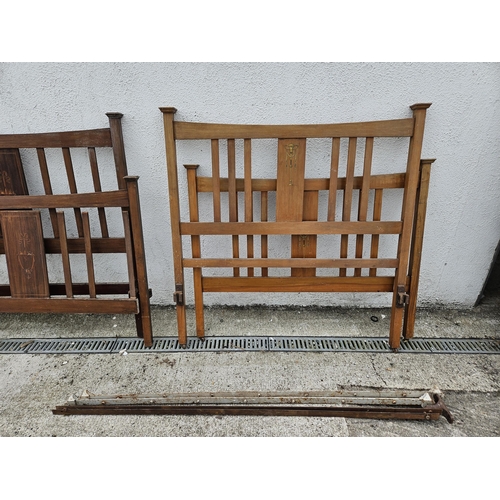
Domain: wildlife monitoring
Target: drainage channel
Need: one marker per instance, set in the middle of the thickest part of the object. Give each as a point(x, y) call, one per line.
point(248, 343)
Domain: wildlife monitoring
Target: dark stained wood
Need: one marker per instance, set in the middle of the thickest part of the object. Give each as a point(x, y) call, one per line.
point(106, 199)
point(97, 188)
point(69, 300)
point(47, 186)
point(24, 252)
point(12, 180)
point(77, 139)
point(68, 306)
point(68, 282)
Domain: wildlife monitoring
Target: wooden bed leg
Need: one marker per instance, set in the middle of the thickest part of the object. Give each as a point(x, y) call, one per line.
point(140, 259)
point(196, 251)
point(396, 323)
point(416, 247)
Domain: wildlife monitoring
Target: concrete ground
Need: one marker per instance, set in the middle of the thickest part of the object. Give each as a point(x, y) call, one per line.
point(32, 385)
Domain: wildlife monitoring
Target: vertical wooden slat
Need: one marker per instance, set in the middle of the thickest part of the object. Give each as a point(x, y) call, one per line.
point(407, 214)
point(377, 214)
point(334, 169)
point(216, 179)
point(68, 283)
point(416, 248)
point(346, 209)
point(72, 187)
point(88, 254)
point(130, 254)
point(175, 218)
point(248, 197)
point(263, 238)
point(233, 197)
point(42, 161)
point(196, 250)
point(97, 188)
point(363, 198)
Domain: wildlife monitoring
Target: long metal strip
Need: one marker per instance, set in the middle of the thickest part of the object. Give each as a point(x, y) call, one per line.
point(368, 404)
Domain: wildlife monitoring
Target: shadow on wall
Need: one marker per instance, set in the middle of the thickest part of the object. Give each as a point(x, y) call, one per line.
point(492, 284)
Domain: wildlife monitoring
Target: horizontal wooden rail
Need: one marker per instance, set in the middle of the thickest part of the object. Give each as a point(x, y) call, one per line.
point(77, 245)
point(83, 200)
point(299, 284)
point(383, 181)
point(383, 128)
point(79, 289)
point(81, 139)
point(298, 262)
point(65, 305)
point(305, 227)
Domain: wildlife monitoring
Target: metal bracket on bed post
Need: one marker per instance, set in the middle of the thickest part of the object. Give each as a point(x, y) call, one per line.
point(179, 294)
point(403, 297)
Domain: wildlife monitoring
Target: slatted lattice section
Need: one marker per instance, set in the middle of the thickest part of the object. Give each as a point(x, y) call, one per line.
point(352, 216)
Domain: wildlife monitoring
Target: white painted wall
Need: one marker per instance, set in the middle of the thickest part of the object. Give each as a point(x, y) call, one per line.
point(462, 132)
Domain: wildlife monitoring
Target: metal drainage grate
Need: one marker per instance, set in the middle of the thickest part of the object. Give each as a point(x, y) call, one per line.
point(455, 346)
point(210, 344)
point(240, 344)
point(328, 344)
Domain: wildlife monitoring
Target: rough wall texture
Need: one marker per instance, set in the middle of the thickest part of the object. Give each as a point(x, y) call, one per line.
point(462, 132)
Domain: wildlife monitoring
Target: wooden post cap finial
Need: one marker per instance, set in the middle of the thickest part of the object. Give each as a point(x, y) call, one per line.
point(421, 105)
point(168, 110)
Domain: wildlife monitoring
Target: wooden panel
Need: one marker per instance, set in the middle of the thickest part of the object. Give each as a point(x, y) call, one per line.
point(25, 255)
point(290, 179)
point(305, 245)
point(81, 138)
point(383, 128)
point(12, 181)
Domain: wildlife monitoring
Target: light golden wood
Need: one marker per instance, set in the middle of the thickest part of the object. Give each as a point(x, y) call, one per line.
point(297, 212)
